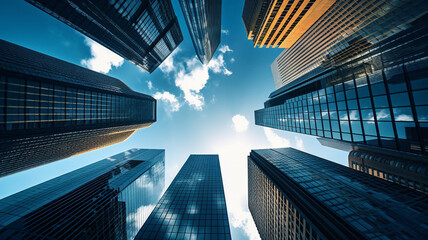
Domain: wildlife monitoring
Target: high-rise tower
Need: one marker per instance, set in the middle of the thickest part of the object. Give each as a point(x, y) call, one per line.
point(295, 195)
point(193, 206)
point(109, 199)
point(51, 109)
point(273, 23)
point(203, 19)
point(143, 31)
point(358, 75)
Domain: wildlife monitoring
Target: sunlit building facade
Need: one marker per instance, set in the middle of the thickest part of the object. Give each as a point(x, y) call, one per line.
point(109, 199)
point(193, 206)
point(295, 195)
point(273, 23)
point(51, 109)
point(369, 92)
point(144, 32)
point(203, 19)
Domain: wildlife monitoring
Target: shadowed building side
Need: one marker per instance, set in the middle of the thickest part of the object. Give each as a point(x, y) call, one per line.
point(143, 32)
point(51, 109)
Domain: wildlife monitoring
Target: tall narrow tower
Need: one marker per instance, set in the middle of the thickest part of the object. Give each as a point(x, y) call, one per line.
point(203, 19)
point(193, 206)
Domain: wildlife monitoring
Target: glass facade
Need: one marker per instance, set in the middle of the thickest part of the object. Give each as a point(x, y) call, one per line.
point(51, 109)
point(377, 99)
point(203, 19)
point(405, 171)
point(193, 206)
point(295, 195)
point(144, 32)
point(347, 29)
point(109, 199)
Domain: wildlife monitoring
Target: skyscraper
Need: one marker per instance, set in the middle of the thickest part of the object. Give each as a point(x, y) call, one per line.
point(109, 199)
point(408, 170)
point(51, 109)
point(295, 195)
point(193, 206)
point(144, 32)
point(203, 19)
point(274, 23)
point(367, 86)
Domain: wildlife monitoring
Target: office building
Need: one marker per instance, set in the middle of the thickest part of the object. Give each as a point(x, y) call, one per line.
point(349, 31)
point(408, 170)
point(274, 23)
point(143, 32)
point(51, 109)
point(374, 94)
point(203, 19)
point(295, 195)
point(193, 206)
point(109, 199)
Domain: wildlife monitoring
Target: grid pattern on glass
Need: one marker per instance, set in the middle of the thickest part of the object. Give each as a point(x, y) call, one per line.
point(193, 206)
point(144, 32)
point(344, 31)
point(85, 203)
point(203, 19)
point(363, 103)
point(413, 174)
point(374, 207)
point(33, 104)
point(274, 215)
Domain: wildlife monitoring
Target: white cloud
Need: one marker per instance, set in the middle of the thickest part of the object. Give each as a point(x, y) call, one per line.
point(225, 31)
point(102, 58)
point(217, 65)
point(240, 123)
point(168, 98)
point(225, 49)
point(168, 65)
point(404, 117)
point(150, 85)
point(299, 143)
point(193, 78)
point(275, 140)
point(232, 60)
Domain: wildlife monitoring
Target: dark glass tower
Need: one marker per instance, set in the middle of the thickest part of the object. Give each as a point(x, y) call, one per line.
point(193, 206)
point(367, 87)
point(408, 170)
point(109, 199)
point(143, 31)
point(203, 19)
point(295, 195)
point(51, 109)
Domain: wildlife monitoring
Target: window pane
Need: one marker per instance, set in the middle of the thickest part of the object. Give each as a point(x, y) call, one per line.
point(403, 114)
point(385, 129)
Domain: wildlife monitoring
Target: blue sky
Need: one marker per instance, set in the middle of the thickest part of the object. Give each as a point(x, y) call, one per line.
point(196, 103)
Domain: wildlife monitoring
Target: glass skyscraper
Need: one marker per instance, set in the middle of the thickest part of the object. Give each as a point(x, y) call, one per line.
point(358, 75)
point(406, 171)
point(143, 31)
point(193, 206)
point(295, 195)
point(203, 19)
point(274, 23)
point(51, 109)
point(109, 199)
